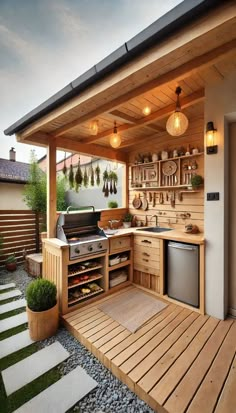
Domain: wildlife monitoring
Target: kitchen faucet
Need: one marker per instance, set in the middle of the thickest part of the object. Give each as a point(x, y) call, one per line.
point(68, 209)
point(155, 216)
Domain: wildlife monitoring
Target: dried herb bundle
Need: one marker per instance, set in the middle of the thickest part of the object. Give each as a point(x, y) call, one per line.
point(71, 177)
point(86, 178)
point(97, 172)
point(78, 177)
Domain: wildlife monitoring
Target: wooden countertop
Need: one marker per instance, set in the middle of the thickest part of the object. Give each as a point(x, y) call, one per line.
point(173, 235)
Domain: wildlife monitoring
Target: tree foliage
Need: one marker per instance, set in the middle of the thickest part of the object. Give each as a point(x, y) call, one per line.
point(35, 192)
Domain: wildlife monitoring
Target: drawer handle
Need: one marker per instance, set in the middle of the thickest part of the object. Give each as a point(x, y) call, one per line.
point(144, 259)
point(146, 254)
point(146, 241)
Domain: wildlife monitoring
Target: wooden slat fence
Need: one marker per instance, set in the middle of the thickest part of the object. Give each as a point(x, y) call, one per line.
point(20, 232)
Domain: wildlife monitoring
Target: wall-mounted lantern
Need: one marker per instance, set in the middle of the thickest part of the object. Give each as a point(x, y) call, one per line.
point(211, 147)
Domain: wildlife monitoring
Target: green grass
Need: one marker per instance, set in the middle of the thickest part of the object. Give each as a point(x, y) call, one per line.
point(9, 300)
point(13, 331)
point(15, 400)
point(18, 356)
point(11, 313)
point(7, 290)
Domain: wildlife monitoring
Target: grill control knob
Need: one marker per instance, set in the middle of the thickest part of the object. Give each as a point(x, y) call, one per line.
point(90, 248)
point(77, 250)
point(100, 245)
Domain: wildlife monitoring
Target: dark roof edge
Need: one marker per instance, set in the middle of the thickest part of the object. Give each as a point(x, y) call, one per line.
point(173, 20)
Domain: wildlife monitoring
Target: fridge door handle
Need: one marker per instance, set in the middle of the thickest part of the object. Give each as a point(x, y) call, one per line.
point(182, 248)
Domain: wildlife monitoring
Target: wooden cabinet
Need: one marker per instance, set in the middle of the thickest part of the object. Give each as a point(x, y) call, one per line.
point(170, 173)
point(147, 262)
point(120, 261)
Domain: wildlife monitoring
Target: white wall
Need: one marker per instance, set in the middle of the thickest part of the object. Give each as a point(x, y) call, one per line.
point(11, 196)
point(220, 103)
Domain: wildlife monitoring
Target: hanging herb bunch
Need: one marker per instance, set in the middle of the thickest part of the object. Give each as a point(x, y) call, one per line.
point(105, 188)
point(97, 172)
point(92, 179)
point(113, 178)
point(71, 176)
point(78, 177)
point(86, 178)
point(64, 170)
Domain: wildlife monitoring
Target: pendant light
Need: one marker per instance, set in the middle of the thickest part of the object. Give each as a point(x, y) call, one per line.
point(177, 123)
point(115, 139)
point(94, 127)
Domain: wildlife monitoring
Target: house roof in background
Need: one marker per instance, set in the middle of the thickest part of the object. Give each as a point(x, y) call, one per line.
point(171, 22)
point(14, 172)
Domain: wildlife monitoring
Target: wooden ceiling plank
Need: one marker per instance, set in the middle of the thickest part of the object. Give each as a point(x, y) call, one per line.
point(185, 102)
point(185, 70)
point(119, 115)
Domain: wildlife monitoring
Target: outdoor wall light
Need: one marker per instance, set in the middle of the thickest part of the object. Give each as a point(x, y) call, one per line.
point(115, 139)
point(211, 148)
point(146, 110)
point(177, 123)
point(94, 127)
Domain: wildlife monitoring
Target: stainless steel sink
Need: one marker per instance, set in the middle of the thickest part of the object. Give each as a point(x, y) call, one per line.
point(154, 229)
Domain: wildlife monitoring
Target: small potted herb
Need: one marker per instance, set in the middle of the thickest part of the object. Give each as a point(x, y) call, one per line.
point(112, 204)
point(196, 181)
point(10, 263)
point(42, 309)
point(127, 220)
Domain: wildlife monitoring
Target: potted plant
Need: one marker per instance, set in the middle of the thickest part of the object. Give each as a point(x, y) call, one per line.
point(196, 181)
point(10, 263)
point(42, 309)
point(127, 220)
point(112, 204)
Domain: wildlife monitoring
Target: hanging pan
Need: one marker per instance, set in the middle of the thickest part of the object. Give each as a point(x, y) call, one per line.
point(137, 203)
point(145, 202)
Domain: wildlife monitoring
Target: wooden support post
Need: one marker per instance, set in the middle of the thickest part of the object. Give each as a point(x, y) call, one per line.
point(51, 188)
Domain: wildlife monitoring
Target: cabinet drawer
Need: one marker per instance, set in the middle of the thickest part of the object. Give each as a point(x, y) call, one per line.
point(119, 243)
point(147, 261)
point(147, 252)
point(146, 241)
point(147, 268)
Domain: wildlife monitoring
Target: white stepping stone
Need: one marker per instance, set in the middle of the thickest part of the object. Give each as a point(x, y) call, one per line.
point(6, 286)
point(32, 367)
point(14, 343)
point(62, 395)
point(14, 321)
point(10, 294)
point(13, 305)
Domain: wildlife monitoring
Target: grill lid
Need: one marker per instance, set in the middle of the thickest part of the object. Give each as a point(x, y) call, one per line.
point(75, 224)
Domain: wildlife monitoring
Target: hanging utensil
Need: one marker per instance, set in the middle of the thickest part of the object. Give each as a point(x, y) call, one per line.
point(172, 199)
point(180, 196)
point(137, 203)
point(154, 199)
point(145, 202)
point(150, 197)
point(161, 200)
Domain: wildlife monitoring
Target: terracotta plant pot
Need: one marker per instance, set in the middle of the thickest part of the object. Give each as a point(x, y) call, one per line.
point(43, 324)
point(11, 266)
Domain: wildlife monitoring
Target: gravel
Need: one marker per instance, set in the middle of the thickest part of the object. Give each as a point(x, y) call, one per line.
point(111, 395)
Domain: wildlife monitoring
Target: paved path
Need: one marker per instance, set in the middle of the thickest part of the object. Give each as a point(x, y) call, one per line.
point(6, 286)
point(15, 343)
point(62, 395)
point(32, 367)
point(13, 305)
point(10, 294)
point(14, 321)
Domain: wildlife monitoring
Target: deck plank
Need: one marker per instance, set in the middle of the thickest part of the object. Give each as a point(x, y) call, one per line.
point(170, 361)
point(215, 378)
point(184, 392)
point(227, 401)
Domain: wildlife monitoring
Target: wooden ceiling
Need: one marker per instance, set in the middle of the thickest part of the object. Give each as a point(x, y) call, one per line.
point(202, 54)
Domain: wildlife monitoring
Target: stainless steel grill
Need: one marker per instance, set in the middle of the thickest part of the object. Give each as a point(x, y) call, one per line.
point(81, 232)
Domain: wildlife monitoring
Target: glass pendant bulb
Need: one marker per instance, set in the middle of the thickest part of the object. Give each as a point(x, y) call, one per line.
point(115, 139)
point(177, 123)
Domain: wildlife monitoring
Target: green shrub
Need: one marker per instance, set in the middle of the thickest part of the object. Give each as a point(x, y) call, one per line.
point(11, 259)
point(112, 204)
point(128, 217)
point(196, 180)
point(41, 295)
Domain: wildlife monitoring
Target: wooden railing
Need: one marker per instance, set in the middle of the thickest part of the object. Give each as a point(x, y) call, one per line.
point(20, 232)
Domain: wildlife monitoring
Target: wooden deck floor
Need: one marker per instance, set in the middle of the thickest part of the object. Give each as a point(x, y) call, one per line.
point(180, 361)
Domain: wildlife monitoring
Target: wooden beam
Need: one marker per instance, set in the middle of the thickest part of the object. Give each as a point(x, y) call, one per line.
point(51, 189)
point(176, 74)
point(159, 114)
point(119, 115)
point(69, 145)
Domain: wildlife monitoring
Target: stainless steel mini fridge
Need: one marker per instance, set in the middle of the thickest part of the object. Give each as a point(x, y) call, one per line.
point(183, 272)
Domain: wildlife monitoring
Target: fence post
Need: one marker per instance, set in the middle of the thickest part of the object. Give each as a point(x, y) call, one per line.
point(37, 231)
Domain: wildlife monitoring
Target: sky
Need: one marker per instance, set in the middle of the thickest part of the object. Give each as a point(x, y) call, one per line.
point(45, 44)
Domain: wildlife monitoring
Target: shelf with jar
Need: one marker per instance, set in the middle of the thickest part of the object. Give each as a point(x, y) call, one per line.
point(168, 173)
point(85, 279)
